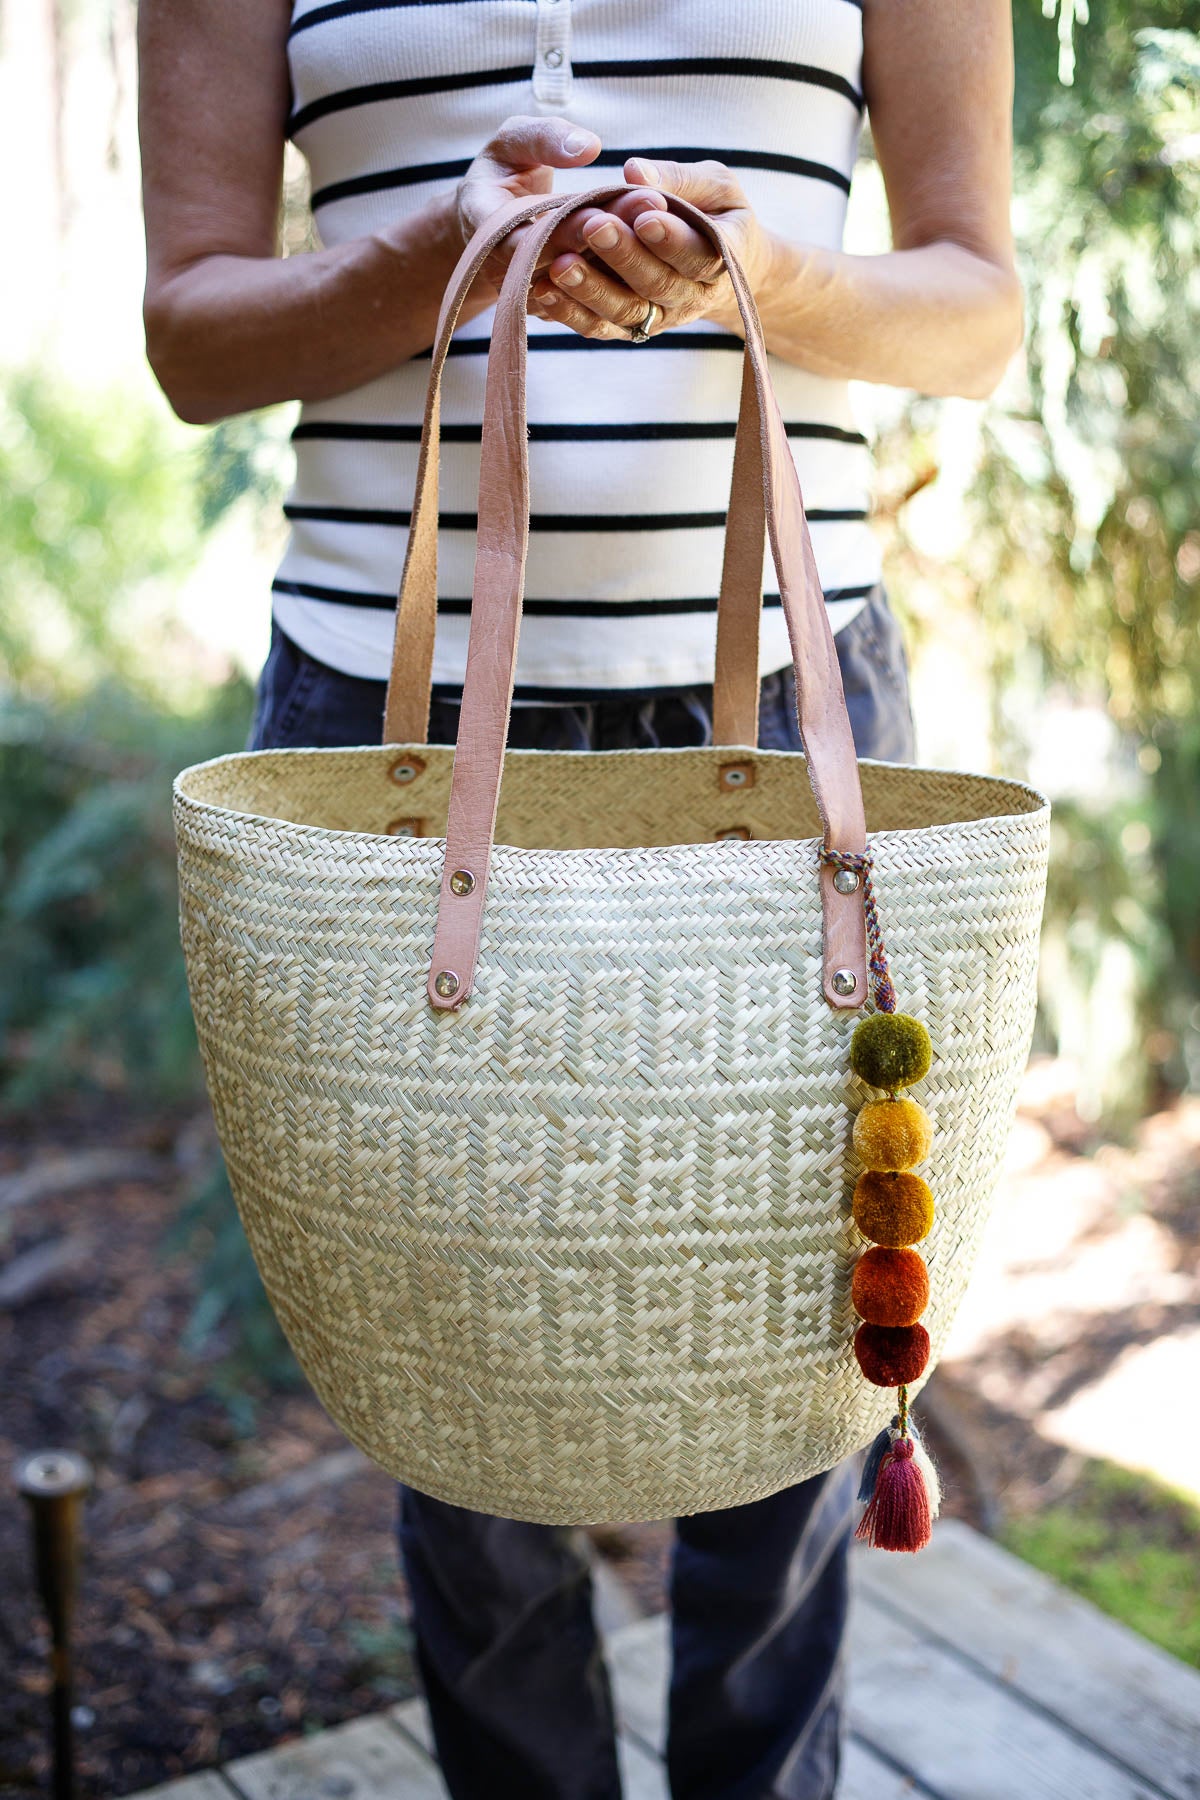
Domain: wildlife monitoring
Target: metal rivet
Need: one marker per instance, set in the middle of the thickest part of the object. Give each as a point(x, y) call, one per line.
point(445, 984)
point(462, 882)
point(407, 769)
point(405, 828)
point(844, 981)
point(846, 881)
point(737, 775)
point(554, 56)
point(733, 831)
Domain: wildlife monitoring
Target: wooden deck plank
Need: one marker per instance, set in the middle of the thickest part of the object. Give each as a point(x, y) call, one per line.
point(972, 1677)
point(412, 1718)
point(1063, 1655)
point(365, 1760)
point(642, 1775)
point(638, 1662)
point(865, 1776)
point(963, 1734)
point(208, 1786)
point(638, 1658)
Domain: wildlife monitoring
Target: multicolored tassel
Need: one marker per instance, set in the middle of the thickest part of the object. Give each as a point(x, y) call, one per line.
point(921, 1457)
point(890, 1051)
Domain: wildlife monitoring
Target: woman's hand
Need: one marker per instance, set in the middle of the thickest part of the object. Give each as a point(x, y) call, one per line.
point(516, 163)
point(639, 254)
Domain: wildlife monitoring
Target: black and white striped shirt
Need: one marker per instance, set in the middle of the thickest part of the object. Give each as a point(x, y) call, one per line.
point(630, 448)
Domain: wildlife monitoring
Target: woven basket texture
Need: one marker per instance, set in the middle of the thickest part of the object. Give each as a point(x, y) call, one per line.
point(582, 1251)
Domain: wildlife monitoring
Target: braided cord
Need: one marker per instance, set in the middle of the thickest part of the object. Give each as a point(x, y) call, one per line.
point(860, 863)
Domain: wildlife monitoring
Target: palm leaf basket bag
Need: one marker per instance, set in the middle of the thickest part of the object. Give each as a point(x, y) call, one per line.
point(581, 1137)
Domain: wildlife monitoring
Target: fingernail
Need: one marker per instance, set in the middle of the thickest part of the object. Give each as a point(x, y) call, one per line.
point(575, 141)
point(570, 277)
point(605, 237)
point(651, 229)
point(645, 171)
point(548, 299)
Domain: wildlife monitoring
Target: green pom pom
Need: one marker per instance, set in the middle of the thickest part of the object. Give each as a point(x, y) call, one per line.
point(890, 1050)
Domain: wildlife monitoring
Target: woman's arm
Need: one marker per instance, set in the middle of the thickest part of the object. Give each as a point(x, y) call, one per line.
point(941, 312)
point(229, 324)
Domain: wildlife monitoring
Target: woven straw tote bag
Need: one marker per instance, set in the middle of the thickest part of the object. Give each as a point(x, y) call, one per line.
point(534, 1093)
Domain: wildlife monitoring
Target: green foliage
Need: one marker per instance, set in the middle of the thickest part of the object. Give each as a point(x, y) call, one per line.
point(97, 508)
point(1104, 946)
point(94, 992)
point(1128, 1544)
point(1089, 505)
point(1085, 553)
point(230, 1297)
point(100, 706)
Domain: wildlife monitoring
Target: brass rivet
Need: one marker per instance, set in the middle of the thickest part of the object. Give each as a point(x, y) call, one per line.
point(445, 984)
point(406, 770)
point(462, 882)
point(846, 881)
point(844, 981)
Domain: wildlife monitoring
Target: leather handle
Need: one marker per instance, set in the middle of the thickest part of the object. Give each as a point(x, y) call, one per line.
point(410, 680)
point(502, 545)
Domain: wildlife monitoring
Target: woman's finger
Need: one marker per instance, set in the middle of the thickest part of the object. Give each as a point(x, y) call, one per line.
point(568, 233)
point(678, 244)
point(709, 185)
point(601, 293)
point(617, 246)
point(561, 309)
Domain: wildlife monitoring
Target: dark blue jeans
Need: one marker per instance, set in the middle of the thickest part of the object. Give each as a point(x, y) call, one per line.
point(516, 1683)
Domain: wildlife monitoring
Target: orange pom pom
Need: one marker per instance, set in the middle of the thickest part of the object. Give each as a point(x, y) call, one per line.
point(890, 1287)
point(892, 1207)
point(892, 1134)
point(891, 1356)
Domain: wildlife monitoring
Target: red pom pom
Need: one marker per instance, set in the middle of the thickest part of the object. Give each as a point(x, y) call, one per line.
point(890, 1287)
point(898, 1516)
point(891, 1356)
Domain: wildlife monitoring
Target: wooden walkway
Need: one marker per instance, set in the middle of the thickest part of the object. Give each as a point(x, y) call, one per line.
point(972, 1677)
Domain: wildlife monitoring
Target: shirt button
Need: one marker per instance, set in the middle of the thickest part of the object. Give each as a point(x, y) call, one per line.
point(553, 56)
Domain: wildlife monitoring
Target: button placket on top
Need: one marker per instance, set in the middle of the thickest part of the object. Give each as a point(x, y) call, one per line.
point(552, 72)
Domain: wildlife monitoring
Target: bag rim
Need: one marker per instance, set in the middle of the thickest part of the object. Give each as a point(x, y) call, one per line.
point(1037, 805)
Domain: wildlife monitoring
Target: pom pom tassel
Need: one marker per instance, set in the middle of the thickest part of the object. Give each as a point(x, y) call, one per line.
point(879, 1449)
point(898, 1516)
point(875, 1456)
point(933, 1486)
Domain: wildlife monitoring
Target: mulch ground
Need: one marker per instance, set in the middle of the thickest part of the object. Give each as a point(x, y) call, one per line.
point(239, 1579)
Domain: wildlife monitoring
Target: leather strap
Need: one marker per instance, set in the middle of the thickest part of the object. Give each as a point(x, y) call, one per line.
point(502, 546)
point(410, 682)
point(739, 613)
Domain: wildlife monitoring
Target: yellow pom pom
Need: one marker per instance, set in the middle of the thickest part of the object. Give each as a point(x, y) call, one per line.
point(892, 1134)
point(890, 1050)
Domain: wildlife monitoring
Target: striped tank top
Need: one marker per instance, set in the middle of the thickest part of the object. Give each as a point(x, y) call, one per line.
point(630, 447)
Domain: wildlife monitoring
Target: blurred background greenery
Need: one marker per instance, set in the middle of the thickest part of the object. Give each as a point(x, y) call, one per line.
point(1043, 550)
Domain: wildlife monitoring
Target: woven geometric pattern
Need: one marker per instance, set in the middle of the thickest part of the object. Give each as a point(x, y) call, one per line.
point(582, 1250)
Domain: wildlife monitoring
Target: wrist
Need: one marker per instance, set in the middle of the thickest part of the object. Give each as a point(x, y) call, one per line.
point(423, 252)
point(758, 254)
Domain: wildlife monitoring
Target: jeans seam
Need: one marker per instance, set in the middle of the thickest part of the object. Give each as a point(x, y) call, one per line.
point(879, 654)
point(298, 694)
